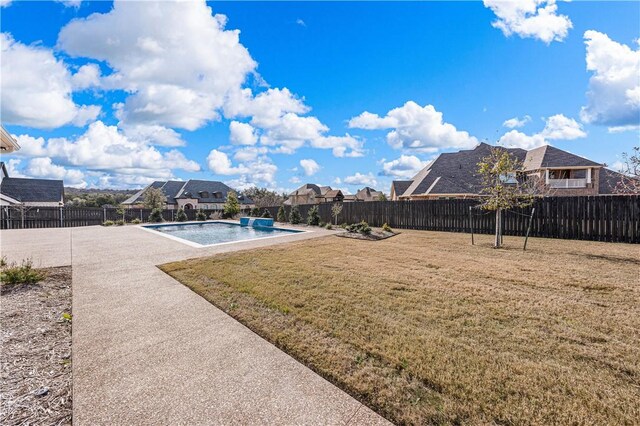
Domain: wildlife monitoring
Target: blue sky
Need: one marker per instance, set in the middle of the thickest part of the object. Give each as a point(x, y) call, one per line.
point(105, 95)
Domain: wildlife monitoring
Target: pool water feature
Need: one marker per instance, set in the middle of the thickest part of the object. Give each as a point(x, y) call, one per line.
point(201, 234)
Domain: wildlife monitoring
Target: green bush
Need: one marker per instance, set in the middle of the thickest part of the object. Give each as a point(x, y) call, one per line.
point(386, 228)
point(255, 212)
point(282, 215)
point(23, 274)
point(294, 215)
point(329, 226)
point(266, 213)
point(231, 207)
point(343, 225)
point(108, 223)
point(119, 222)
point(313, 218)
point(181, 216)
point(200, 215)
point(156, 216)
point(136, 221)
point(362, 227)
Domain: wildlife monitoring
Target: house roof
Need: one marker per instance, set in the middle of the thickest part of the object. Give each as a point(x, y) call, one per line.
point(400, 186)
point(308, 188)
point(33, 190)
point(175, 189)
point(608, 180)
point(454, 172)
point(332, 193)
point(3, 170)
point(548, 156)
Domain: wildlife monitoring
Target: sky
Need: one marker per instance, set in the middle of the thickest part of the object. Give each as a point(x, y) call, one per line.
point(277, 94)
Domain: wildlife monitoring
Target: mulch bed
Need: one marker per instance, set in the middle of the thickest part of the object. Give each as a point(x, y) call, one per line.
point(373, 236)
point(36, 351)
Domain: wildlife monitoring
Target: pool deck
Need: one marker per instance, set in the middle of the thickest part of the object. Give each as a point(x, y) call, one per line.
point(147, 350)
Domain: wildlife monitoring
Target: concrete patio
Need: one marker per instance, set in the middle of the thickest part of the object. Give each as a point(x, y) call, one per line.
point(147, 350)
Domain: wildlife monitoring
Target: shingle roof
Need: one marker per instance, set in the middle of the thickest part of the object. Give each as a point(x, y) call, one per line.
point(193, 188)
point(400, 186)
point(307, 187)
point(607, 181)
point(455, 172)
point(33, 190)
point(549, 156)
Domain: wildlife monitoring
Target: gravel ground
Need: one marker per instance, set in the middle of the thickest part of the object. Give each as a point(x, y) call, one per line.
point(36, 351)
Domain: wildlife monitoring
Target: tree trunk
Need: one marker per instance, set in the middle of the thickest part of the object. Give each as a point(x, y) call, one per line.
point(498, 240)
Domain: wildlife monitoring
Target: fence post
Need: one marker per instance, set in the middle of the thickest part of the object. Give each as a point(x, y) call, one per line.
point(61, 218)
point(471, 224)
point(533, 211)
point(104, 214)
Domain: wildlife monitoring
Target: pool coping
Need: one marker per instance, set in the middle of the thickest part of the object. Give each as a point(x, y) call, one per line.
point(149, 228)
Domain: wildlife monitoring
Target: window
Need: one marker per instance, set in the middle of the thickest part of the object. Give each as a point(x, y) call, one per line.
point(204, 194)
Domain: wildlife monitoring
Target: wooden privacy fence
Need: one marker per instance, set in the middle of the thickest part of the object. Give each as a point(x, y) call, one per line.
point(603, 218)
point(65, 217)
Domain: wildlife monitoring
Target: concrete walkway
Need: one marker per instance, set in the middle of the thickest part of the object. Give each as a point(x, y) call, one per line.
point(147, 350)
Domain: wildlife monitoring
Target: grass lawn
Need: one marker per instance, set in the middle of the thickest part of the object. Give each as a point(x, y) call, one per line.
point(425, 328)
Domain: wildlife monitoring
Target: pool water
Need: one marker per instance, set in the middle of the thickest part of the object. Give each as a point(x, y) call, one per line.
point(218, 232)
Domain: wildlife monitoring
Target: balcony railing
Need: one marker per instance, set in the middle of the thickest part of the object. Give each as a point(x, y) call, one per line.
point(567, 183)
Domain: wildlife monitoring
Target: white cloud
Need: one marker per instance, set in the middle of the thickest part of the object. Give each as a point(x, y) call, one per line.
point(5, 3)
point(242, 133)
point(153, 135)
point(557, 127)
point(517, 139)
point(106, 150)
point(87, 76)
point(12, 168)
point(220, 164)
point(301, 22)
point(560, 127)
point(249, 153)
point(266, 109)
point(620, 129)
point(70, 3)
point(294, 179)
point(614, 88)
point(415, 128)
point(530, 19)
point(44, 168)
point(310, 167)
point(404, 167)
point(516, 122)
point(340, 146)
point(361, 179)
point(36, 88)
point(176, 77)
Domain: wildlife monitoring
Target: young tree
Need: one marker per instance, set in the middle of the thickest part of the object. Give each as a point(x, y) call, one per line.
point(231, 206)
point(156, 216)
point(181, 216)
point(629, 182)
point(294, 216)
point(313, 218)
point(336, 209)
point(503, 188)
point(266, 214)
point(382, 197)
point(154, 198)
point(282, 215)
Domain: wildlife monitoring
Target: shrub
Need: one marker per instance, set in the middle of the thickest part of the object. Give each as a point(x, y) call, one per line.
point(231, 206)
point(313, 218)
point(156, 216)
point(321, 224)
point(294, 215)
point(23, 274)
point(362, 227)
point(329, 226)
point(266, 213)
point(181, 216)
point(282, 215)
point(386, 228)
point(3, 261)
point(119, 222)
point(136, 221)
point(255, 212)
point(343, 225)
point(108, 223)
point(215, 216)
point(200, 215)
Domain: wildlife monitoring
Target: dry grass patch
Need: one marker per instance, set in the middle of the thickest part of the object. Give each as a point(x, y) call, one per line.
point(427, 329)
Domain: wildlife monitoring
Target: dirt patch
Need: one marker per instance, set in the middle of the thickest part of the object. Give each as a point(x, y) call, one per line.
point(427, 329)
point(36, 351)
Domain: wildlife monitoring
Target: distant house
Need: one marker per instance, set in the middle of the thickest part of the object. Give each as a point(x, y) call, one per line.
point(454, 175)
point(29, 192)
point(368, 194)
point(313, 194)
point(192, 194)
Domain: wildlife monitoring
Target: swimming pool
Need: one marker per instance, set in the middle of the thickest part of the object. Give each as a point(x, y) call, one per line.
point(202, 234)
